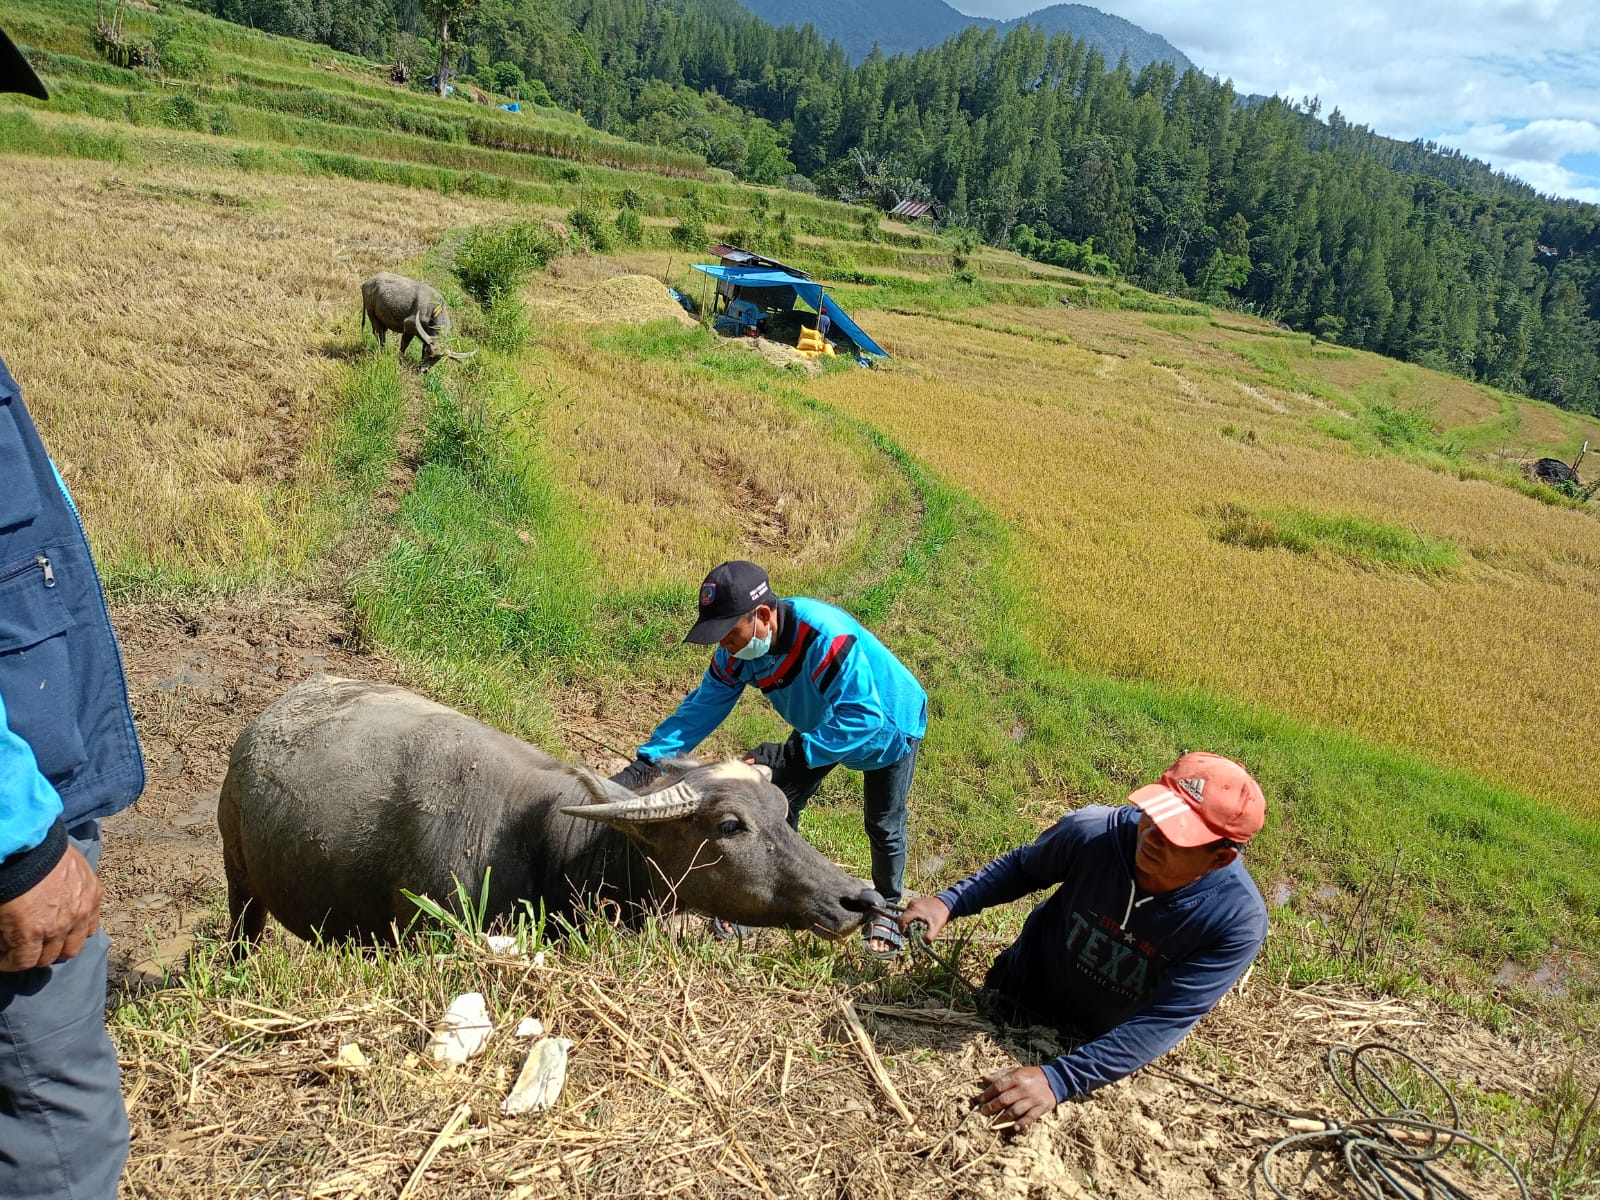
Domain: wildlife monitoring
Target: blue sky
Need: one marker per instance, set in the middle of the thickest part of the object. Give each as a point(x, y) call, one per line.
point(1513, 82)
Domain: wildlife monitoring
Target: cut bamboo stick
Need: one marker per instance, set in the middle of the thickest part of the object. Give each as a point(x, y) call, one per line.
point(875, 1064)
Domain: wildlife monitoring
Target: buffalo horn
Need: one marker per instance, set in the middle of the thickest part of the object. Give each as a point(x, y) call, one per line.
point(676, 801)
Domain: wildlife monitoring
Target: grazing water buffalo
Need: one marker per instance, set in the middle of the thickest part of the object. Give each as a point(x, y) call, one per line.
point(344, 792)
point(395, 304)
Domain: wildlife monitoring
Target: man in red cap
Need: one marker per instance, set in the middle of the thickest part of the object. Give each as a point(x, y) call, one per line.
point(1154, 919)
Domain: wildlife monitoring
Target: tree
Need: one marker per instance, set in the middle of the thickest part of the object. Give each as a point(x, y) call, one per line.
point(444, 14)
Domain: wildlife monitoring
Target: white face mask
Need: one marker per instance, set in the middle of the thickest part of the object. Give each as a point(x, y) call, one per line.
point(756, 647)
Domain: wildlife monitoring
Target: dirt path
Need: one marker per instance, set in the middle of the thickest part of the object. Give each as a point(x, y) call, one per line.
point(197, 678)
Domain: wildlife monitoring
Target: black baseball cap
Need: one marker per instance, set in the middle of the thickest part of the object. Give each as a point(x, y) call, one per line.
point(730, 591)
point(15, 73)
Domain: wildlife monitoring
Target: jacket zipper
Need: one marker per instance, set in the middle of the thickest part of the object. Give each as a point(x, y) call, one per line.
point(39, 563)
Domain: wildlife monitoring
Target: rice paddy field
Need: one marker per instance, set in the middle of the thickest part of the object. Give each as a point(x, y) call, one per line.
point(1102, 527)
point(1443, 614)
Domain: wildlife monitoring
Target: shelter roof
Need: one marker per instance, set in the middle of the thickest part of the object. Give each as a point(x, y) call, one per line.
point(738, 257)
point(807, 289)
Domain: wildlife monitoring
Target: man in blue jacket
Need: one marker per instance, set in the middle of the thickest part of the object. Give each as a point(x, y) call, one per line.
point(68, 756)
point(1154, 919)
point(849, 700)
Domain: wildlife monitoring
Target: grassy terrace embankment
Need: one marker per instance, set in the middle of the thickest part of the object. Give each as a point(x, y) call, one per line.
point(1101, 532)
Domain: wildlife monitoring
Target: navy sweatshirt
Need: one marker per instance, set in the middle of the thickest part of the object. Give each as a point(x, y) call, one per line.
point(1130, 970)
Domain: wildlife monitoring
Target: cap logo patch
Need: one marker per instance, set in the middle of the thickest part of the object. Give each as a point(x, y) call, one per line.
point(708, 594)
point(1196, 789)
point(759, 591)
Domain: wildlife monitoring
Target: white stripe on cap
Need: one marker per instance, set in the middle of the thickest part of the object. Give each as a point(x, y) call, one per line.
point(1169, 805)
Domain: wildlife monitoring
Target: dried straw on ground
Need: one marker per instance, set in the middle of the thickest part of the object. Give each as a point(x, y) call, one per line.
point(571, 294)
point(698, 1070)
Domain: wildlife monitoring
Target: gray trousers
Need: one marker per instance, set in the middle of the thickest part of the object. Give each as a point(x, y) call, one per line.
point(63, 1125)
point(886, 794)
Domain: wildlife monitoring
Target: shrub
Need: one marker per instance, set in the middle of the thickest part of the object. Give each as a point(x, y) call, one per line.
point(493, 260)
point(590, 229)
point(690, 232)
point(185, 60)
point(630, 230)
point(507, 78)
point(181, 112)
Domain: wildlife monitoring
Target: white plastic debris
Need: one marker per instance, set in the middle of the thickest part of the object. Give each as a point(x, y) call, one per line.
point(543, 1074)
point(463, 1031)
point(501, 943)
point(350, 1058)
point(529, 1027)
point(538, 958)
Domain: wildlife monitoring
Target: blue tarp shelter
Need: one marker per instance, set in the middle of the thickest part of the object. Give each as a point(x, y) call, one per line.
point(808, 290)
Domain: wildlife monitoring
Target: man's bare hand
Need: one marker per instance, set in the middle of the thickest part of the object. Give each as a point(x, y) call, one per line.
point(53, 919)
point(1019, 1096)
point(928, 909)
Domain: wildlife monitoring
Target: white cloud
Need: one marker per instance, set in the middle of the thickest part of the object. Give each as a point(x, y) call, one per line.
point(1472, 74)
point(1543, 140)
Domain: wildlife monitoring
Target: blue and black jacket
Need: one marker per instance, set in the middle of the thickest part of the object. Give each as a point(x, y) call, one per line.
point(68, 750)
point(852, 701)
point(1130, 970)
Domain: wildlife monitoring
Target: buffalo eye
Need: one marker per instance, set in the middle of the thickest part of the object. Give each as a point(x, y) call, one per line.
point(730, 827)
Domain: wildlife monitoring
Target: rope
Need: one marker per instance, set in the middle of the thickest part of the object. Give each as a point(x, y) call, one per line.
point(1394, 1152)
point(1396, 1149)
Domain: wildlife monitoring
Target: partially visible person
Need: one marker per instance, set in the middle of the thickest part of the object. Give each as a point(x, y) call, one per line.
point(824, 321)
point(848, 699)
point(68, 756)
point(1154, 919)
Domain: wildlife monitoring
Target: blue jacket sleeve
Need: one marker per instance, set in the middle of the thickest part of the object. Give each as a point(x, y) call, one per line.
point(1190, 992)
point(855, 715)
point(698, 716)
point(32, 837)
point(1042, 863)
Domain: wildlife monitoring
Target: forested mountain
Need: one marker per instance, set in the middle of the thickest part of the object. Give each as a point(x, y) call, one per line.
point(1031, 140)
point(899, 26)
point(894, 26)
point(1112, 35)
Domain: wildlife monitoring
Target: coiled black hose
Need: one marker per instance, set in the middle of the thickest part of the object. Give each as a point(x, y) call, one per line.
point(1396, 1150)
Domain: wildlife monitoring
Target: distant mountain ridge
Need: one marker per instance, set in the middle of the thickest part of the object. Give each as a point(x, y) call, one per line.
point(905, 26)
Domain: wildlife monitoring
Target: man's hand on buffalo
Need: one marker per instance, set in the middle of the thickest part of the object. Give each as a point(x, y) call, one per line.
point(1019, 1096)
point(641, 772)
point(52, 920)
point(776, 756)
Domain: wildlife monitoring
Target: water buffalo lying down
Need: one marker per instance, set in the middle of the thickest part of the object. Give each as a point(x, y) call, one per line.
point(344, 792)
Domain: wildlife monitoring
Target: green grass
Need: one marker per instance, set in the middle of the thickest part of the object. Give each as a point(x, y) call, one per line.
point(370, 412)
point(654, 341)
point(487, 564)
point(1014, 741)
point(1352, 539)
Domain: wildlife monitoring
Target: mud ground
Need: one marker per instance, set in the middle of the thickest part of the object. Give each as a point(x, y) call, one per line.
point(197, 677)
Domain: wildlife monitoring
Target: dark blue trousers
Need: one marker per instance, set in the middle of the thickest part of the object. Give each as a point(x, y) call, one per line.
point(63, 1126)
point(886, 794)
